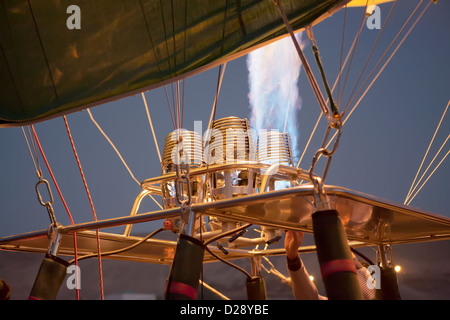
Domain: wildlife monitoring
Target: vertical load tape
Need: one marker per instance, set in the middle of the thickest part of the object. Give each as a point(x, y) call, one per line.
point(335, 259)
point(388, 286)
point(256, 288)
point(186, 268)
point(49, 278)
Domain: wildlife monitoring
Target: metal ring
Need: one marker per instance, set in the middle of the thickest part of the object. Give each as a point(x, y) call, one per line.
point(48, 203)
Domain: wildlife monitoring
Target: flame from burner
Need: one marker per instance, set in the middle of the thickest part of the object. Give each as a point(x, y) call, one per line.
point(274, 98)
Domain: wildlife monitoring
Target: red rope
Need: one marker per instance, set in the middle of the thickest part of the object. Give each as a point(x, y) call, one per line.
point(64, 203)
point(90, 202)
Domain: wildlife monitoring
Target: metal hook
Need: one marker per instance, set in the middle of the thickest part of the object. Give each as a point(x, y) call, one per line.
point(321, 201)
point(49, 204)
point(43, 181)
point(384, 255)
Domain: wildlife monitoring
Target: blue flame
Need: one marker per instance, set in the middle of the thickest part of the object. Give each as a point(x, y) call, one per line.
point(274, 97)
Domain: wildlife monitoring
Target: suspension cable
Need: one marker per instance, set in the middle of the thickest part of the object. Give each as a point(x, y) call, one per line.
point(170, 108)
point(353, 52)
point(384, 54)
point(178, 105)
point(51, 173)
point(100, 268)
point(336, 82)
point(342, 49)
point(64, 203)
point(415, 194)
point(35, 162)
point(426, 153)
point(309, 140)
point(381, 70)
point(308, 71)
point(175, 109)
point(182, 105)
point(222, 68)
point(342, 65)
point(112, 145)
point(426, 170)
point(372, 51)
point(151, 126)
point(333, 107)
point(118, 153)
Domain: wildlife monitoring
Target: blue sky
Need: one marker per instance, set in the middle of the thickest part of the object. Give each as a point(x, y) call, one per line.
point(381, 148)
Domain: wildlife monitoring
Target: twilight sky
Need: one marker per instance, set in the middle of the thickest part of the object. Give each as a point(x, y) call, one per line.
point(380, 151)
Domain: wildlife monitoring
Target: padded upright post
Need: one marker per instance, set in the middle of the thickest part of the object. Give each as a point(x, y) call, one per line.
point(335, 259)
point(186, 269)
point(49, 278)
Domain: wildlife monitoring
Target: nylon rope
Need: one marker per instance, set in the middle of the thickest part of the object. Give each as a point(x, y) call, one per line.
point(175, 110)
point(182, 106)
point(389, 59)
point(170, 108)
point(381, 70)
point(112, 145)
point(176, 100)
point(180, 94)
point(151, 126)
point(178, 104)
point(412, 198)
point(336, 82)
point(176, 97)
point(432, 161)
point(168, 61)
point(222, 68)
point(426, 153)
point(384, 54)
point(77, 290)
point(33, 143)
point(308, 71)
point(341, 70)
point(309, 140)
point(353, 53)
point(156, 55)
point(371, 52)
point(342, 48)
point(38, 170)
point(91, 203)
point(118, 153)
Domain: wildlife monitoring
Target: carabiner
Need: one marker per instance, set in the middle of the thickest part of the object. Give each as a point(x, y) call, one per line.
point(48, 204)
point(44, 204)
